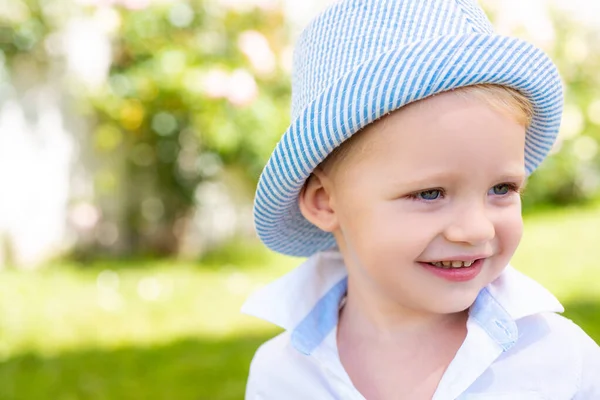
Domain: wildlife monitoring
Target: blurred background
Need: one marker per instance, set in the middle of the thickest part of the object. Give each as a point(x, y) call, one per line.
point(132, 134)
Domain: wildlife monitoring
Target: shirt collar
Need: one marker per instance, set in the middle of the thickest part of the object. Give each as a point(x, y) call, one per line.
point(306, 302)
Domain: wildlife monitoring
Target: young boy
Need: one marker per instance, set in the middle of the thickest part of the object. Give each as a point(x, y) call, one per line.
point(414, 129)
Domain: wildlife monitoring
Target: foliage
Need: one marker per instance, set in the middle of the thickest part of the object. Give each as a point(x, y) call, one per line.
point(183, 100)
point(192, 88)
point(572, 173)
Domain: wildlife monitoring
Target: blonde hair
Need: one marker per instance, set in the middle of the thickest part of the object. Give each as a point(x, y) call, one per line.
point(502, 98)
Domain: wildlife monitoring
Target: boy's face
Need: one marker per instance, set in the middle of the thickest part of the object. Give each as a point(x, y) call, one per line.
point(437, 181)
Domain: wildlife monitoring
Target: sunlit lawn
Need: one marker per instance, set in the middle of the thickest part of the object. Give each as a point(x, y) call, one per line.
point(169, 330)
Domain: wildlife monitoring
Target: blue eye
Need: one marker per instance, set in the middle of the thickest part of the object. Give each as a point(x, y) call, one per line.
point(432, 194)
point(502, 189)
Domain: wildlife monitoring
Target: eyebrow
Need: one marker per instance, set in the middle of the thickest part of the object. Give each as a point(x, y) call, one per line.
point(445, 176)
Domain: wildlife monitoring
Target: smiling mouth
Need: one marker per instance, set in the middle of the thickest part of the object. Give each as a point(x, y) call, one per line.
point(452, 264)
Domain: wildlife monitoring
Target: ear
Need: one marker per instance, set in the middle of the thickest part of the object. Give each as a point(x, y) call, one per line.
point(316, 202)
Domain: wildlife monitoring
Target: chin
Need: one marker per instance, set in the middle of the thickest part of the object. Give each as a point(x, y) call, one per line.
point(455, 304)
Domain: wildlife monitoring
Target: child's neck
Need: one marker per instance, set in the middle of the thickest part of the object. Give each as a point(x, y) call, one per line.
point(393, 352)
point(376, 318)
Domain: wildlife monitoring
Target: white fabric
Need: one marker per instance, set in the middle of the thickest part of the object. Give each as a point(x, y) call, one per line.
point(552, 358)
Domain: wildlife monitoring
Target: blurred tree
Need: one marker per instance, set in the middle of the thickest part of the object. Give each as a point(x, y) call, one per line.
point(572, 173)
point(192, 87)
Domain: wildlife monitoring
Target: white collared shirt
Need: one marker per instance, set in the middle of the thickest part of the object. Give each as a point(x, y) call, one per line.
point(516, 347)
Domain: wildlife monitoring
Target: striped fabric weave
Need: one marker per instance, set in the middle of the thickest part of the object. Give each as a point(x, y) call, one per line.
point(361, 59)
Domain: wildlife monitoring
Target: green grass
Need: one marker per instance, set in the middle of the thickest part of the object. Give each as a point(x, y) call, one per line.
point(558, 250)
point(172, 330)
point(185, 368)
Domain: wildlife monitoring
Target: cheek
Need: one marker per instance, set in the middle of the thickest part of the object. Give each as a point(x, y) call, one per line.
point(382, 234)
point(368, 234)
point(509, 232)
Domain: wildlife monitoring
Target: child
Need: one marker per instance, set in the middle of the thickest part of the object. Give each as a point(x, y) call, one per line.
point(414, 129)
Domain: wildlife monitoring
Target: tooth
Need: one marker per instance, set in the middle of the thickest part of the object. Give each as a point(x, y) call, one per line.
point(457, 264)
point(468, 263)
point(447, 263)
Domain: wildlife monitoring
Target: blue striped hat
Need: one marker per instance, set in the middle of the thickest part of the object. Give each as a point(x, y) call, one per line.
point(361, 59)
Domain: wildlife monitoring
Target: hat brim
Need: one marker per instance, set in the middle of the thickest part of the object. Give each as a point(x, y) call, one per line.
point(381, 85)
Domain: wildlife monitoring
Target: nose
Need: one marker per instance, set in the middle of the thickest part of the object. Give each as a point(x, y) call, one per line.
point(472, 226)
